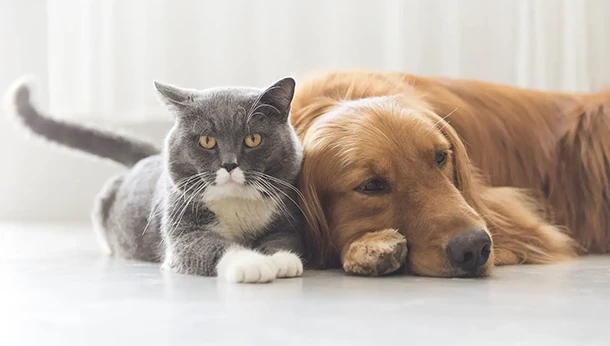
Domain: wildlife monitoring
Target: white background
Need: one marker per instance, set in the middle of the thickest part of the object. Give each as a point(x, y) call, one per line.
point(96, 60)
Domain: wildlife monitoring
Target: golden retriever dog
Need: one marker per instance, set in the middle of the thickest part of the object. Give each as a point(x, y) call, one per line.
point(448, 177)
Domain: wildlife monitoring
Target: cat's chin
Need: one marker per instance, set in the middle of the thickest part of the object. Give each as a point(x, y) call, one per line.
point(231, 190)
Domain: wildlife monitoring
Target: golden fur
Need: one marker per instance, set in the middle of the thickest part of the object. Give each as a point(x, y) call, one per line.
point(375, 253)
point(543, 159)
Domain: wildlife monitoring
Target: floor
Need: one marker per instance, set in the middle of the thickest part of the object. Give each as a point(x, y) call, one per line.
point(57, 289)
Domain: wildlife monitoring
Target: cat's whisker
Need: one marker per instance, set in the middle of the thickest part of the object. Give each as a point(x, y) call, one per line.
point(181, 200)
point(257, 113)
point(272, 190)
point(268, 105)
point(277, 201)
point(261, 106)
point(182, 194)
point(280, 181)
point(288, 185)
point(183, 189)
point(195, 186)
point(257, 102)
point(291, 199)
point(190, 178)
point(186, 205)
point(174, 221)
point(294, 202)
point(152, 214)
point(201, 176)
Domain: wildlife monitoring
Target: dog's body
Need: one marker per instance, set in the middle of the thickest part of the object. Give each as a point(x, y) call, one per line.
point(554, 144)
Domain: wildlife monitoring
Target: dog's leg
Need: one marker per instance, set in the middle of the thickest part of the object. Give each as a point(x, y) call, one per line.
point(537, 244)
point(375, 253)
point(579, 183)
point(520, 235)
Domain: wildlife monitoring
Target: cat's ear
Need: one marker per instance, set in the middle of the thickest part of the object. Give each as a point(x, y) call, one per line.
point(280, 95)
point(173, 97)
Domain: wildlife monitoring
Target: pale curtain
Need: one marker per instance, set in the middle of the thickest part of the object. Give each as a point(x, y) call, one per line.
point(96, 59)
point(104, 54)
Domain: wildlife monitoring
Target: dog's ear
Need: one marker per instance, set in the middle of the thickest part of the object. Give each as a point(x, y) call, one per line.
point(465, 176)
point(318, 242)
point(516, 221)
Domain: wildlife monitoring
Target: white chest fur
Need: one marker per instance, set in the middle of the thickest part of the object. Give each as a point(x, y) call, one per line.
point(241, 216)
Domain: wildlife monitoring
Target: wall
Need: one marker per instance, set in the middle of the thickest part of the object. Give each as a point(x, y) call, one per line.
point(38, 181)
point(100, 56)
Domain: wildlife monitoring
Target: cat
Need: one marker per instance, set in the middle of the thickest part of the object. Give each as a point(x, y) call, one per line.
point(219, 199)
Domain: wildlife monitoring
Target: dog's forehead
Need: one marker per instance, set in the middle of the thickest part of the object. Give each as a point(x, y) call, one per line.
point(391, 125)
point(377, 134)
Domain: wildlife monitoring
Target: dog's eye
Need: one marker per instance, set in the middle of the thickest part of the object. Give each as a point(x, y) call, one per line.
point(441, 158)
point(374, 186)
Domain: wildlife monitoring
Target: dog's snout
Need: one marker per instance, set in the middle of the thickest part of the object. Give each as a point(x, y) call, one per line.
point(470, 250)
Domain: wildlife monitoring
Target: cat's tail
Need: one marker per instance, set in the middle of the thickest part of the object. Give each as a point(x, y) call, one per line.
point(118, 148)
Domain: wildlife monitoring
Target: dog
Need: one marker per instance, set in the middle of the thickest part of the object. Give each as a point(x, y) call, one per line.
point(449, 177)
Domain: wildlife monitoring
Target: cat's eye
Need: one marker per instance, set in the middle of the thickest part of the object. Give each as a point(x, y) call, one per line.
point(253, 140)
point(207, 142)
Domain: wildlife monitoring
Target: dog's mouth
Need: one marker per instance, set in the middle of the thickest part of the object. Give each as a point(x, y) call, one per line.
point(449, 272)
point(436, 263)
point(479, 273)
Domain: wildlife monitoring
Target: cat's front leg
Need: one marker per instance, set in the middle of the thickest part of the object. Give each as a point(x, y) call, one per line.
point(289, 265)
point(194, 251)
point(207, 253)
point(285, 249)
point(243, 265)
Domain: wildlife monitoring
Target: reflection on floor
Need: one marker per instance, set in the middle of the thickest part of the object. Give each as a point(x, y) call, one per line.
point(57, 289)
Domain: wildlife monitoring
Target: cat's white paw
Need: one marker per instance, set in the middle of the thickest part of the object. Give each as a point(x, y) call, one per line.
point(288, 264)
point(246, 266)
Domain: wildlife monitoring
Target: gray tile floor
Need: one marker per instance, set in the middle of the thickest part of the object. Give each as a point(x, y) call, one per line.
point(57, 289)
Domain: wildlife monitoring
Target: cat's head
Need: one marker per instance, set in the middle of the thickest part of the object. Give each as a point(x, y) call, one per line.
point(237, 141)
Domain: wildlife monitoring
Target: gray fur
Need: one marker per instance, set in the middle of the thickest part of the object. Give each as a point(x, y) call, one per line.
point(156, 211)
point(126, 151)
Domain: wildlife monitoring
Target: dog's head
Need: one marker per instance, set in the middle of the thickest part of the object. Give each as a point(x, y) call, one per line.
point(390, 162)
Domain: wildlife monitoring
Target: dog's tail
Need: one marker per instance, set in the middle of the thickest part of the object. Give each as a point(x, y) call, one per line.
point(118, 148)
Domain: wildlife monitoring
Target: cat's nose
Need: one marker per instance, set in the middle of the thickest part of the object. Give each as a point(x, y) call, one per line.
point(229, 166)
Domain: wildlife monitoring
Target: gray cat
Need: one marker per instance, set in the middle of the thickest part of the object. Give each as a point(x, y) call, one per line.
point(220, 199)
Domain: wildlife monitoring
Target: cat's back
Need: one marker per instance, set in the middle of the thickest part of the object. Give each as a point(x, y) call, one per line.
point(129, 211)
point(139, 193)
point(145, 174)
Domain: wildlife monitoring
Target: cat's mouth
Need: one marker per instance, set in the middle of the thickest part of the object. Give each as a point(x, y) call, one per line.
point(231, 190)
point(229, 183)
point(233, 178)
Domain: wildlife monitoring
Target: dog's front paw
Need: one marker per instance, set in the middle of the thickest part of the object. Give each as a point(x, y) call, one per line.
point(288, 264)
point(375, 253)
point(246, 266)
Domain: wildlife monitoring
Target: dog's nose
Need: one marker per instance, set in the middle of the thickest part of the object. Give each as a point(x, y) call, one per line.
point(469, 250)
point(229, 166)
